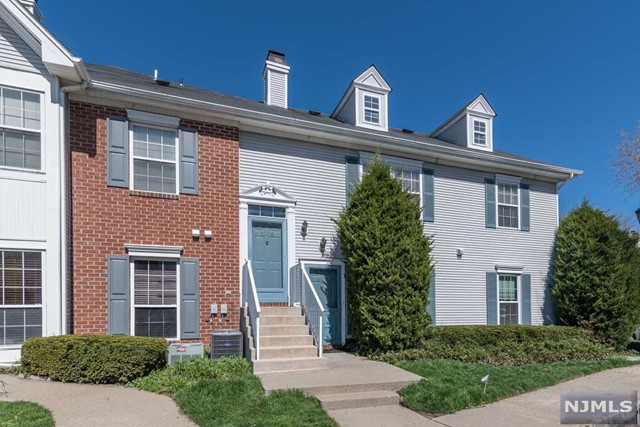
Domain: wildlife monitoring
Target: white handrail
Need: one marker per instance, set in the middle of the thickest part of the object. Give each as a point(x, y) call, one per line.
point(252, 304)
point(315, 329)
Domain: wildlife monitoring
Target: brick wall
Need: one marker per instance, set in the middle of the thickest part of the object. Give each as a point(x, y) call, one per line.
point(105, 218)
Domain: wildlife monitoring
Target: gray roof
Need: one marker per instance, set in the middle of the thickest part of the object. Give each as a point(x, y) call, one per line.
point(119, 76)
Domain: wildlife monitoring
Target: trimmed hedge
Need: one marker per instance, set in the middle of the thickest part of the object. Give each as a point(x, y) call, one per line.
point(492, 335)
point(99, 359)
point(504, 345)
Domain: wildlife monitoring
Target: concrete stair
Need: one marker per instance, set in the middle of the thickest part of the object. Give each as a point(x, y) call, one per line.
point(272, 366)
point(363, 399)
point(286, 343)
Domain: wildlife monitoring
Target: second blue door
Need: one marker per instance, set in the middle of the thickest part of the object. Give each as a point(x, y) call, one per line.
point(266, 253)
point(326, 281)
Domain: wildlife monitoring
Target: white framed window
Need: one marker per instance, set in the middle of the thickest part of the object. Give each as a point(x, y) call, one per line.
point(20, 129)
point(371, 109)
point(508, 205)
point(410, 178)
point(154, 159)
point(408, 171)
point(155, 308)
point(479, 132)
point(21, 299)
point(508, 299)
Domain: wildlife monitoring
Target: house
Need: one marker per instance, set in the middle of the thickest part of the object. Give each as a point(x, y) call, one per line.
point(267, 180)
point(36, 72)
point(180, 200)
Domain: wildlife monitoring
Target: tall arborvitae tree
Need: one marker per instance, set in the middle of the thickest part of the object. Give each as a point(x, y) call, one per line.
point(597, 275)
point(388, 264)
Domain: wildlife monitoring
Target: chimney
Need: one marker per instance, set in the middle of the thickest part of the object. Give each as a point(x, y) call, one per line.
point(275, 76)
point(32, 6)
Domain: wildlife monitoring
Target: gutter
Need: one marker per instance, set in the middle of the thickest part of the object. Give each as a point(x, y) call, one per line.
point(347, 135)
point(81, 69)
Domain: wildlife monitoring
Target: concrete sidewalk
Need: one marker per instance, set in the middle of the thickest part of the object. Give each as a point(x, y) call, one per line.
point(93, 405)
point(538, 408)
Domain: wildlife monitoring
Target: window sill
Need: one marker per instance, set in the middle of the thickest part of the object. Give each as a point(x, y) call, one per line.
point(151, 195)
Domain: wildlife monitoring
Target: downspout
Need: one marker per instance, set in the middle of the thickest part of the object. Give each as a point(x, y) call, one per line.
point(86, 82)
point(565, 182)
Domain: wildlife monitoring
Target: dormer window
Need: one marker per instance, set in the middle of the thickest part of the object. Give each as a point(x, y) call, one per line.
point(479, 132)
point(365, 103)
point(470, 127)
point(372, 109)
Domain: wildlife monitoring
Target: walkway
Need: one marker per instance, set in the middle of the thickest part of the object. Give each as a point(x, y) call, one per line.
point(537, 408)
point(93, 405)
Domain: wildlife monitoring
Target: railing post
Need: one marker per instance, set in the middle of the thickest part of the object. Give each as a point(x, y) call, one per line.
point(257, 340)
point(320, 341)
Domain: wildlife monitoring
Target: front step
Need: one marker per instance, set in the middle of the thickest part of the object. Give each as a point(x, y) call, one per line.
point(287, 365)
point(281, 320)
point(366, 399)
point(288, 352)
point(280, 311)
point(280, 330)
point(286, 340)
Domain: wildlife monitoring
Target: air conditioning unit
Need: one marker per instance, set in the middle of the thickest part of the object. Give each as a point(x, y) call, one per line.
point(226, 342)
point(179, 352)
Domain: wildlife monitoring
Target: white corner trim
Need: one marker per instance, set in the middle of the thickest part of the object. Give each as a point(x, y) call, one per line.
point(508, 179)
point(509, 269)
point(152, 118)
point(153, 250)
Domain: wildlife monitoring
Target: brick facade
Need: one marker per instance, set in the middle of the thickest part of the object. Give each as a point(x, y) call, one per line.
point(105, 218)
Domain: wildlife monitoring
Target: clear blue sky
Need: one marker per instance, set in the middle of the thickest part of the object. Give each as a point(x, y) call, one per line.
point(563, 76)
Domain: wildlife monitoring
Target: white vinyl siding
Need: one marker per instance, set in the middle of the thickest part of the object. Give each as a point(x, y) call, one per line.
point(20, 129)
point(460, 209)
point(456, 133)
point(154, 159)
point(314, 175)
point(21, 299)
point(277, 89)
point(15, 53)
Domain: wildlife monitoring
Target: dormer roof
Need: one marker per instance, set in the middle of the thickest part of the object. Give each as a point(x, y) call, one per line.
point(370, 79)
point(479, 105)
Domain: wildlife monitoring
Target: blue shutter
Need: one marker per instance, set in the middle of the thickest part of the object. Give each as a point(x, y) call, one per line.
point(188, 161)
point(492, 298)
point(428, 206)
point(189, 298)
point(431, 308)
point(490, 202)
point(118, 152)
point(352, 174)
point(525, 290)
point(118, 288)
point(525, 205)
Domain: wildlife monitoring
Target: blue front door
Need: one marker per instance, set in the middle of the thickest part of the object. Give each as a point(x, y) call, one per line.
point(266, 251)
point(326, 281)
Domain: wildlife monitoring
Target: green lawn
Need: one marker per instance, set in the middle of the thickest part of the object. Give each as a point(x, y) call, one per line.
point(241, 402)
point(449, 386)
point(24, 414)
point(225, 393)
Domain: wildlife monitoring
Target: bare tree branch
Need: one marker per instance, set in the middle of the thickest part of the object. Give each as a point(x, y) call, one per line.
point(627, 161)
